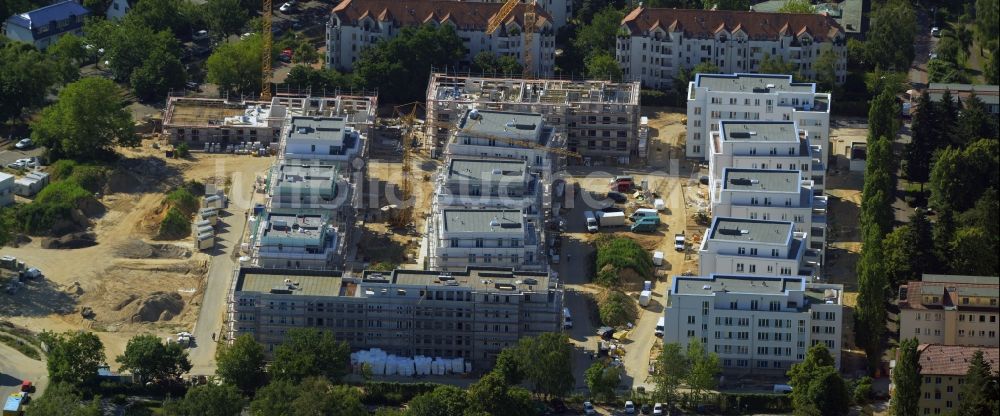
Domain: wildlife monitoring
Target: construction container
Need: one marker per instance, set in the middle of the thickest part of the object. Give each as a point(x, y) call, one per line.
point(205, 230)
point(202, 223)
point(205, 241)
point(644, 297)
point(213, 201)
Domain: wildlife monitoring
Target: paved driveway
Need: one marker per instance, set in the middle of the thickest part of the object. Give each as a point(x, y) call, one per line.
point(9, 156)
point(15, 367)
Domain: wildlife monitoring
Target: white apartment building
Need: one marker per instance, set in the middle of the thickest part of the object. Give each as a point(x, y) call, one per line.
point(297, 239)
point(488, 184)
point(355, 25)
point(712, 98)
point(322, 138)
point(780, 195)
point(756, 324)
point(778, 145)
point(755, 247)
point(655, 44)
point(460, 238)
point(487, 134)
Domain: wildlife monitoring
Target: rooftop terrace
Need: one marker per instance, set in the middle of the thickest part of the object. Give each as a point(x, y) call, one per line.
point(483, 221)
point(762, 180)
point(487, 171)
point(760, 131)
point(736, 229)
point(756, 83)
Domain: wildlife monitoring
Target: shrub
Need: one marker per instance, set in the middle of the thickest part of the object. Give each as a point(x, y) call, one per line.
point(89, 177)
point(616, 308)
point(175, 225)
point(619, 254)
point(56, 202)
point(659, 98)
point(184, 200)
point(392, 393)
point(182, 150)
point(62, 169)
point(65, 192)
point(862, 390)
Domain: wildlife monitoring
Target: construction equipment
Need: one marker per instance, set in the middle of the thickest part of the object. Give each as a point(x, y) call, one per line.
point(403, 215)
point(265, 67)
point(529, 29)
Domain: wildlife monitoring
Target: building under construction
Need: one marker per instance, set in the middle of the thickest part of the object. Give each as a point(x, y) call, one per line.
point(600, 119)
point(197, 121)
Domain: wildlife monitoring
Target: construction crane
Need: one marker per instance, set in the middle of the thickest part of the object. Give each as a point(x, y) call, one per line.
point(529, 29)
point(265, 57)
point(403, 214)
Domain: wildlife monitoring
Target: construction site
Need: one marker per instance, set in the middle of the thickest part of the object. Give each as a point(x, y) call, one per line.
point(600, 119)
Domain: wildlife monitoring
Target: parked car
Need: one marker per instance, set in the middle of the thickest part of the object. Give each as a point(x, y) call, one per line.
point(32, 273)
point(936, 32)
point(17, 165)
point(588, 409)
point(658, 409)
point(199, 35)
point(646, 409)
point(629, 408)
point(287, 7)
point(24, 144)
point(618, 197)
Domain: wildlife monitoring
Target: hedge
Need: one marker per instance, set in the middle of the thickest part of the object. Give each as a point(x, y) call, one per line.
point(744, 403)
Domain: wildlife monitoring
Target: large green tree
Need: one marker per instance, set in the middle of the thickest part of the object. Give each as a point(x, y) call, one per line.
point(603, 66)
point(159, 74)
point(318, 397)
point(671, 369)
point(62, 399)
point(442, 401)
point(919, 151)
point(208, 400)
point(399, 67)
point(909, 250)
point(704, 369)
point(826, 69)
point(980, 393)
point(598, 35)
point(68, 53)
point(817, 388)
point(975, 122)
point(548, 363)
point(26, 77)
point(73, 357)
point(959, 177)
point(152, 360)
point(491, 395)
point(870, 312)
point(890, 42)
point(974, 252)
point(160, 15)
point(242, 363)
point(490, 63)
point(602, 379)
point(883, 116)
point(225, 17)
point(307, 352)
point(319, 81)
point(906, 379)
point(235, 66)
point(86, 123)
point(129, 44)
point(273, 398)
point(776, 65)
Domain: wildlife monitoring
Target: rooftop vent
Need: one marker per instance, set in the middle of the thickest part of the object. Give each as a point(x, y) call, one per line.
point(707, 287)
point(495, 222)
point(744, 231)
point(497, 171)
point(770, 85)
point(530, 281)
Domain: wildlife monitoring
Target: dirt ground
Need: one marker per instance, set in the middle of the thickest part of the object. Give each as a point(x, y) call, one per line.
point(130, 283)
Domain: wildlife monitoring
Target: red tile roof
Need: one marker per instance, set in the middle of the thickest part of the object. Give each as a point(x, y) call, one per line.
point(952, 360)
point(911, 295)
point(466, 15)
point(757, 25)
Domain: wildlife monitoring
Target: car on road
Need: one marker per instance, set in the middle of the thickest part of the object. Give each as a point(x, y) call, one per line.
point(679, 242)
point(618, 197)
point(629, 408)
point(588, 409)
point(24, 144)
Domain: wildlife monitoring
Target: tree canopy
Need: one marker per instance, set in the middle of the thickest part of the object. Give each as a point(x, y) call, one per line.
point(152, 360)
point(306, 352)
point(889, 43)
point(242, 363)
point(208, 400)
point(490, 63)
point(400, 67)
point(602, 379)
point(87, 121)
point(817, 388)
point(73, 357)
point(235, 66)
point(62, 399)
point(981, 391)
point(796, 6)
point(906, 379)
point(26, 77)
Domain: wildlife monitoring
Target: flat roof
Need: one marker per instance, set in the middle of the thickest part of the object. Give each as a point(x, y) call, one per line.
point(764, 285)
point(306, 179)
point(755, 83)
point(762, 180)
point(544, 92)
point(483, 221)
point(471, 170)
point(484, 279)
point(758, 231)
point(299, 282)
point(211, 112)
point(504, 123)
point(759, 131)
point(329, 129)
point(295, 227)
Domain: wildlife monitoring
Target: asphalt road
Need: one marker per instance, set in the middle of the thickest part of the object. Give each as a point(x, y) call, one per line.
point(15, 367)
point(9, 156)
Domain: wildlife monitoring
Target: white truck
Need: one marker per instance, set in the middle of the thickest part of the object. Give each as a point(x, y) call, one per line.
point(679, 242)
point(610, 219)
point(592, 225)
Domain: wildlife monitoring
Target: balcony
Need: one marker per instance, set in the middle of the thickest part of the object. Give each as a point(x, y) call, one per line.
point(819, 204)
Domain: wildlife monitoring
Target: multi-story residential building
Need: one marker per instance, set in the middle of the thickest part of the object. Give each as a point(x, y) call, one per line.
point(297, 239)
point(488, 134)
point(313, 185)
point(45, 25)
point(712, 98)
point(951, 310)
point(488, 184)
point(356, 25)
point(942, 372)
point(755, 247)
point(199, 121)
point(323, 138)
point(756, 324)
point(599, 119)
point(472, 313)
point(778, 145)
point(459, 238)
point(781, 195)
point(988, 94)
point(654, 45)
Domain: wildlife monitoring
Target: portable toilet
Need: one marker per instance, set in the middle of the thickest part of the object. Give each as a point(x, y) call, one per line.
point(644, 297)
point(202, 223)
point(659, 205)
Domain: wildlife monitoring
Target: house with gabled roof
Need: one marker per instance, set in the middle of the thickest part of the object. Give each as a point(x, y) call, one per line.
point(43, 26)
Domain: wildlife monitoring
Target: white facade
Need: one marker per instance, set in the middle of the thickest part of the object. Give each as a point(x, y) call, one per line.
point(653, 45)
point(712, 98)
point(779, 145)
point(6, 189)
point(504, 135)
point(493, 238)
point(117, 9)
point(780, 195)
point(756, 324)
point(488, 184)
point(324, 138)
point(355, 26)
point(755, 247)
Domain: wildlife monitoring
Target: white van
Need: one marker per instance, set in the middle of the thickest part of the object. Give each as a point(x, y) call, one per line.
point(782, 388)
point(591, 221)
point(643, 213)
point(567, 319)
point(659, 327)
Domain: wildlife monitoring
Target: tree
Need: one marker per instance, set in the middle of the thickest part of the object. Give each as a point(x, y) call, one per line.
point(306, 54)
point(318, 80)
point(959, 177)
point(548, 363)
point(490, 63)
point(685, 76)
point(152, 360)
point(883, 116)
point(159, 15)
point(602, 380)
point(991, 70)
point(508, 365)
point(491, 395)
point(796, 6)
point(974, 122)
point(826, 68)
point(235, 66)
point(704, 369)
point(979, 393)
point(129, 44)
point(890, 41)
point(947, 120)
point(273, 398)
point(985, 214)
point(598, 36)
point(307, 352)
point(817, 388)
point(26, 77)
point(86, 123)
point(73, 357)
point(603, 66)
point(225, 17)
point(906, 378)
point(208, 400)
point(68, 53)
point(399, 67)
point(973, 252)
point(870, 315)
point(318, 397)
point(879, 187)
point(776, 65)
point(738, 5)
point(61, 399)
point(159, 74)
point(242, 363)
point(671, 368)
point(919, 151)
point(442, 401)
point(987, 27)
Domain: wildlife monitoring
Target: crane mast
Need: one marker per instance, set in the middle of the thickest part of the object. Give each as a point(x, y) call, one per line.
point(265, 57)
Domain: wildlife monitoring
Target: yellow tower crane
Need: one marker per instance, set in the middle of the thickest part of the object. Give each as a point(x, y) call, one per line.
point(529, 29)
point(403, 215)
point(265, 57)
